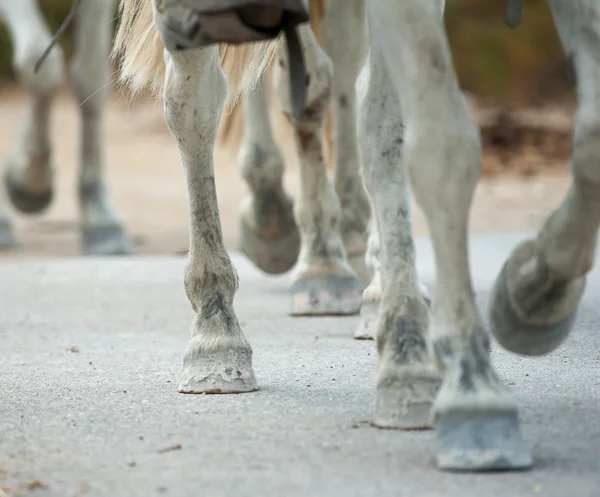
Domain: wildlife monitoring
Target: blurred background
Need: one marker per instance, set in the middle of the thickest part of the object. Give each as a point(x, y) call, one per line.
point(516, 80)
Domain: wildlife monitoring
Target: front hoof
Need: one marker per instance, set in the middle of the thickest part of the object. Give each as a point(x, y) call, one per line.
point(8, 238)
point(106, 240)
point(325, 296)
point(218, 372)
point(406, 406)
point(538, 317)
point(481, 441)
point(269, 236)
point(27, 202)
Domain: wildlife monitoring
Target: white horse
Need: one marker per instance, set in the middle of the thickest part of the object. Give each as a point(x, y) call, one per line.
point(414, 124)
point(28, 173)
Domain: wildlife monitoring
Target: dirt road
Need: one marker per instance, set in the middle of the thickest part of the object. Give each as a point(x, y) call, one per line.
point(147, 183)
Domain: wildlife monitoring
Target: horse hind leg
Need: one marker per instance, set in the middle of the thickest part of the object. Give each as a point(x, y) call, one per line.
point(344, 39)
point(28, 173)
point(101, 228)
point(537, 293)
point(475, 416)
point(269, 235)
point(323, 281)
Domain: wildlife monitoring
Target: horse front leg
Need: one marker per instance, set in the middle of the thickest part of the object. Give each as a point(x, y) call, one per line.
point(323, 283)
point(218, 358)
point(28, 173)
point(101, 228)
point(475, 416)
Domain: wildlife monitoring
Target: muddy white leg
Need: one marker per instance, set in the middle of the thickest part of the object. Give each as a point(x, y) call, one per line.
point(28, 173)
point(268, 232)
point(380, 142)
point(344, 39)
point(102, 229)
point(537, 293)
point(405, 379)
point(218, 358)
point(324, 282)
point(476, 418)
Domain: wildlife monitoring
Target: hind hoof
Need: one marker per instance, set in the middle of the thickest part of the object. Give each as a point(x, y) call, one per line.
point(269, 236)
point(271, 255)
point(325, 296)
point(367, 325)
point(540, 321)
point(481, 442)
point(27, 202)
point(106, 240)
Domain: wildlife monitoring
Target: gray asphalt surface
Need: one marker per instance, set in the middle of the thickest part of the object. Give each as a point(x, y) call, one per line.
point(90, 353)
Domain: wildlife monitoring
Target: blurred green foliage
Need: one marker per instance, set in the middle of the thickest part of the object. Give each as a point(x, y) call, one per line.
point(514, 66)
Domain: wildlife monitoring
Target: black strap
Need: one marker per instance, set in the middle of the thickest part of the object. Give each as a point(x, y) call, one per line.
point(63, 27)
point(297, 71)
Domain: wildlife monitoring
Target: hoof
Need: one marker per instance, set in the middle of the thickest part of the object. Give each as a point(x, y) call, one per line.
point(218, 372)
point(327, 295)
point(481, 442)
point(271, 255)
point(269, 236)
point(541, 334)
point(106, 240)
point(27, 202)
point(406, 407)
point(8, 238)
point(368, 320)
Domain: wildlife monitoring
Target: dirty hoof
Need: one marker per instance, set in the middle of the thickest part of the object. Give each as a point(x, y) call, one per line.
point(27, 202)
point(367, 324)
point(271, 255)
point(407, 406)
point(327, 295)
point(218, 372)
point(8, 238)
point(481, 442)
point(106, 240)
point(545, 314)
point(269, 236)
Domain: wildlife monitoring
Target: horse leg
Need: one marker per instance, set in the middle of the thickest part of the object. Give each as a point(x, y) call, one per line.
point(405, 379)
point(218, 357)
point(375, 148)
point(268, 233)
point(28, 173)
point(102, 230)
point(344, 39)
point(476, 418)
point(324, 282)
point(537, 293)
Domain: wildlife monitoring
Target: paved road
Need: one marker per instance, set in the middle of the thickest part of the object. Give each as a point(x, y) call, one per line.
point(91, 351)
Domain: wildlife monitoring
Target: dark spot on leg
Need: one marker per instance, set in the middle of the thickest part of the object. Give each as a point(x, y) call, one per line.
point(343, 101)
point(307, 80)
